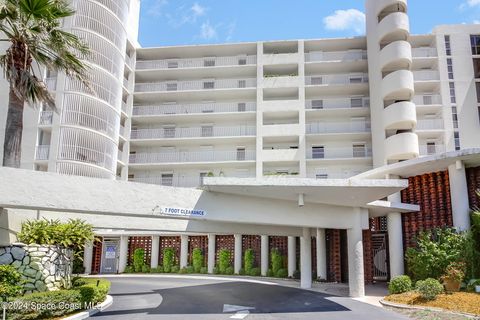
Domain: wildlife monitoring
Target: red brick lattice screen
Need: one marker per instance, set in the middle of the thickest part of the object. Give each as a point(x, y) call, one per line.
point(334, 269)
point(225, 242)
point(432, 192)
point(314, 254)
point(367, 256)
point(144, 243)
point(170, 242)
point(473, 183)
point(200, 242)
point(254, 243)
point(97, 255)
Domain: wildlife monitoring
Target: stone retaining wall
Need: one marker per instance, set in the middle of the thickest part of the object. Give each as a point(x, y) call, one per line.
point(44, 268)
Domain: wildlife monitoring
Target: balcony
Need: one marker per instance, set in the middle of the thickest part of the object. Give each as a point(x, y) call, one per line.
point(430, 124)
point(124, 107)
point(46, 118)
point(51, 83)
point(427, 99)
point(193, 132)
point(340, 103)
point(336, 56)
point(426, 75)
point(430, 149)
point(336, 79)
point(196, 62)
point(424, 52)
point(42, 152)
point(168, 86)
point(338, 127)
point(169, 109)
point(130, 62)
point(339, 153)
point(193, 156)
point(337, 174)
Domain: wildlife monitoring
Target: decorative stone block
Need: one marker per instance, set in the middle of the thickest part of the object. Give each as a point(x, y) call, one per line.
point(6, 258)
point(17, 253)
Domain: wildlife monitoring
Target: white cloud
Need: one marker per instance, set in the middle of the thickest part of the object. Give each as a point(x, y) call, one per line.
point(198, 10)
point(230, 31)
point(473, 3)
point(351, 19)
point(184, 15)
point(207, 31)
point(155, 7)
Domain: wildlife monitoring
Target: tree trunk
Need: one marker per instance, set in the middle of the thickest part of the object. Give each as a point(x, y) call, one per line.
point(13, 132)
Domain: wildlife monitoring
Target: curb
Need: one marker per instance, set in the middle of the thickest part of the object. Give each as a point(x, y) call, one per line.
point(88, 313)
point(385, 303)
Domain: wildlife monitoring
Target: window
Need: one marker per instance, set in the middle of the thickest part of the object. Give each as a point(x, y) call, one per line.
point(455, 117)
point(202, 175)
point(448, 48)
point(476, 68)
point(356, 79)
point(453, 97)
point(167, 179)
point(242, 61)
point(427, 100)
point(242, 83)
point(210, 84)
point(478, 113)
point(172, 86)
point(317, 104)
point(169, 132)
point(241, 107)
point(478, 91)
point(172, 64)
point(450, 68)
point(456, 136)
point(321, 176)
point(475, 41)
point(318, 152)
point(356, 102)
point(316, 81)
point(209, 62)
point(359, 150)
point(131, 177)
point(207, 131)
point(431, 149)
point(241, 154)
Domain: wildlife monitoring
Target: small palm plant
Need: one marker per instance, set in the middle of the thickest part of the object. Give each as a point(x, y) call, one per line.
point(32, 28)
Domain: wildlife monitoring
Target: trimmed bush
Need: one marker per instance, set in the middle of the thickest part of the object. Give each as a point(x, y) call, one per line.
point(215, 270)
point(197, 259)
point(204, 270)
point(190, 269)
point(282, 273)
point(93, 290)
point(400, 284)
point(429, 288)
point(255, 272)
point(224, 261)
point(276, 260)
point(138, 259)
point(175, 269)
point(183, 270)
point(10, 280)
point(241, 272)
point(248, 260)
point(270, 273)
point(129, 269)
point(168, 259)
point(158, 269)
point(229, 270)
point(145, 269)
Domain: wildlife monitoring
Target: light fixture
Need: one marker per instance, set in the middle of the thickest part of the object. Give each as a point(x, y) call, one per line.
point(301, 202)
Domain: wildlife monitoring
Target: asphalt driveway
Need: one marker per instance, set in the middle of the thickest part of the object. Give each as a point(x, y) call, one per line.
point(187, 298)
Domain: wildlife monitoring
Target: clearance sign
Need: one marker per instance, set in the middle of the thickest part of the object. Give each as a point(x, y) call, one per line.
point(183, 212)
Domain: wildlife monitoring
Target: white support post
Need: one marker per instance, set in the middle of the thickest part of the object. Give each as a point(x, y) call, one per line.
point(292, 255)
point(123, 254)
point(264, 255)
point(321, 254)
point(238, 253)
point(459, 194)
point(88, 257)
point(211, 253)
point(306, 259)
point(183, 251)
point(355, 262)
point(395, 244)
point(155, 251)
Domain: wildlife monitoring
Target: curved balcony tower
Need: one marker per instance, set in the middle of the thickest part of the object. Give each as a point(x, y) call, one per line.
point(390, 58)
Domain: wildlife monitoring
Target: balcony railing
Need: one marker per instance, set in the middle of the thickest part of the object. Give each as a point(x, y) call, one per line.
point(426, 150)
point(125, 83)
point(42, 152)
point(336, 79)
point(338, 127)
point(124, 107)
point(194, 132)
point(424, 52)
point(130, 62)
point(430, 124)
point(196, 85)
point(340, 153)
point(336, 56)
point(193, 156)
point(196, 62)
point(46, 118)
point(334, 174)
point(427, 99)
point(340, 103)
point(166, 109)
point(426, 75)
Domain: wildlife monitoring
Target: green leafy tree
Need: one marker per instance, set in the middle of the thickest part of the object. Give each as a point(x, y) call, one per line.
point(197, 259)
point(224, 261)
point(168, 259)
point(248, 261)
point(33, 30)
point(138, 259)
point(10, 280)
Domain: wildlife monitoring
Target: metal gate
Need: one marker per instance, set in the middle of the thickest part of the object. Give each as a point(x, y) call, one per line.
point(380, 263)
point(109, 256)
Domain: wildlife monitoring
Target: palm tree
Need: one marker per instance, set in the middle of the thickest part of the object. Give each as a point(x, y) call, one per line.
point(36, 41)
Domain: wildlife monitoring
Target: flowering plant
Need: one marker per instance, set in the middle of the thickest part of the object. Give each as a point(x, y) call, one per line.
point(455, 271)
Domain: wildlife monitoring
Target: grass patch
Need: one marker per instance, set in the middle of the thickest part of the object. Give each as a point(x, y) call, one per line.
point(458, 301)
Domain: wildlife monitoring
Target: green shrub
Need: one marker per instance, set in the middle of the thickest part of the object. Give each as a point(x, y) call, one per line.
point(216, 271)
point(248, 260)
point(472, 249)
point(429, 288)
point(145, 269)
point(203, 270)
point(129, 269)
point(168, 259)
point(183, 270)
point(270, 273)
point(191, 269)
point(276, 260)
point(158, 269)
point(255, 272)
point(138, 259)
point(229, 270)
point(10, 280)
point(197, 259)
point(241, 272)
point(282, 273)
point(472, 283)
point(296, 274)
point(175, 269)
point(435, 250)
point(400, 284)
point(224, 261)
point(61, 302)
point(94, 290)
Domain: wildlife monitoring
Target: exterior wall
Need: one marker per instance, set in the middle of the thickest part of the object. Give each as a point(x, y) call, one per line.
point(44, 268)
point(473, 181)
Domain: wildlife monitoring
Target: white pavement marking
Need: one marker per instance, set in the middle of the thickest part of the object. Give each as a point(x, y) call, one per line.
point(240, 314)
point(234, 308)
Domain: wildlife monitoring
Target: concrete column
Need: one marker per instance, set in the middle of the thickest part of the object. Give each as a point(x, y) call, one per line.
point(306, 259)
point(459, 194)
point(264, 255)
point(238, 253)
point(321, 254)
point(356, 280)
point(123, 254)
point(292, 255)
point(88, 257)
point(183, 251)
point(395, 243)
point(155, 251)
point(211, 253)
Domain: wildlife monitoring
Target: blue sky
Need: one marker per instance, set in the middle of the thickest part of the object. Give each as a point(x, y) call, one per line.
point(177, 22)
